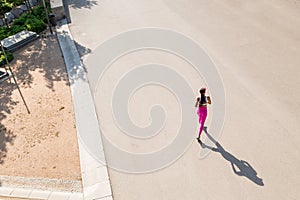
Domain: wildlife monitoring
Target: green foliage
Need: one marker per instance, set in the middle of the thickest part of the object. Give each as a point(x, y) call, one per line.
point(6, 7)
point(4, 32)
point(9, 55)
point(35, 25)
point(39, 12)
point(21, 20)
point(34, 21)
point(16, 29)
point(14, 2)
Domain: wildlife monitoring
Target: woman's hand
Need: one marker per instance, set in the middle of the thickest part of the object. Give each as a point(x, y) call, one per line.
point(208, 100)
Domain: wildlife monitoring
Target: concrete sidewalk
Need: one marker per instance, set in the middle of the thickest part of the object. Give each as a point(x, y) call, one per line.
point(31, 193)
point(256, 47)
point(96, 183)
point(40, 188)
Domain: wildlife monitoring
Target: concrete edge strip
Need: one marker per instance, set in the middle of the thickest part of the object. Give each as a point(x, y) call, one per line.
point(96, 183)
point(59, 185)
point(30, 193)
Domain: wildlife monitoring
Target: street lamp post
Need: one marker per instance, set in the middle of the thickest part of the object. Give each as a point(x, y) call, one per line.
point(14, 77)
point(47, 16)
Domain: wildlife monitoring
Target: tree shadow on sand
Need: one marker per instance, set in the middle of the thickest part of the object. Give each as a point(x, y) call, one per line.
point(6, 104)
point(39, 56)
point(34, 57)
point(239, 167)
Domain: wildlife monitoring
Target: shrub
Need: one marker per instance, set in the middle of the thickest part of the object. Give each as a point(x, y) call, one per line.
point(9, 55)
point(39, 12)
point(18, 2)
point(21, 20)
point(16, 29)
point(4, 32)
point(35, 21)
point(6, 7)
point(35, 25)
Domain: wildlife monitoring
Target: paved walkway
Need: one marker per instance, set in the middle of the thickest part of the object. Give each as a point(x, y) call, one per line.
point(96, 184)
point(40, 188)
point(17, 192)
point(255, 45)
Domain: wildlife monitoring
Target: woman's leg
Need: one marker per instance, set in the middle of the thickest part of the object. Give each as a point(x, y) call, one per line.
point(202, 118)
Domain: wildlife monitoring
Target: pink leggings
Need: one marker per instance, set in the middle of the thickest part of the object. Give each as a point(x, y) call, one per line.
point(202, 113)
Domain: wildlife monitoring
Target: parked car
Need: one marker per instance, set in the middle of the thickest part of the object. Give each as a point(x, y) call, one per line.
point(9, 17)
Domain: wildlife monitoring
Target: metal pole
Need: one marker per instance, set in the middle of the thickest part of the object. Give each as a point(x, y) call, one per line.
point(12, 74)
point(28, 6)
point(46, 10)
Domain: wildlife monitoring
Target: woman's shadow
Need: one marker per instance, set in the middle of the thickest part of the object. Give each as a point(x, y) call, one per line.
point(240, 167)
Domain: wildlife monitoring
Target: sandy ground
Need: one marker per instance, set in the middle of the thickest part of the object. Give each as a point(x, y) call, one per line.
point(256, 47)
point(43, 143)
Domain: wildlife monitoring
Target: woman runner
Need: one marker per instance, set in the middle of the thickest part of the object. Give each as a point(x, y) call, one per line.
point(201, 103)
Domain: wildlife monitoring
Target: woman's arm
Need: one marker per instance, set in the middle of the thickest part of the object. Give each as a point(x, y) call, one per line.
point(208, 100)
point(197, 101)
